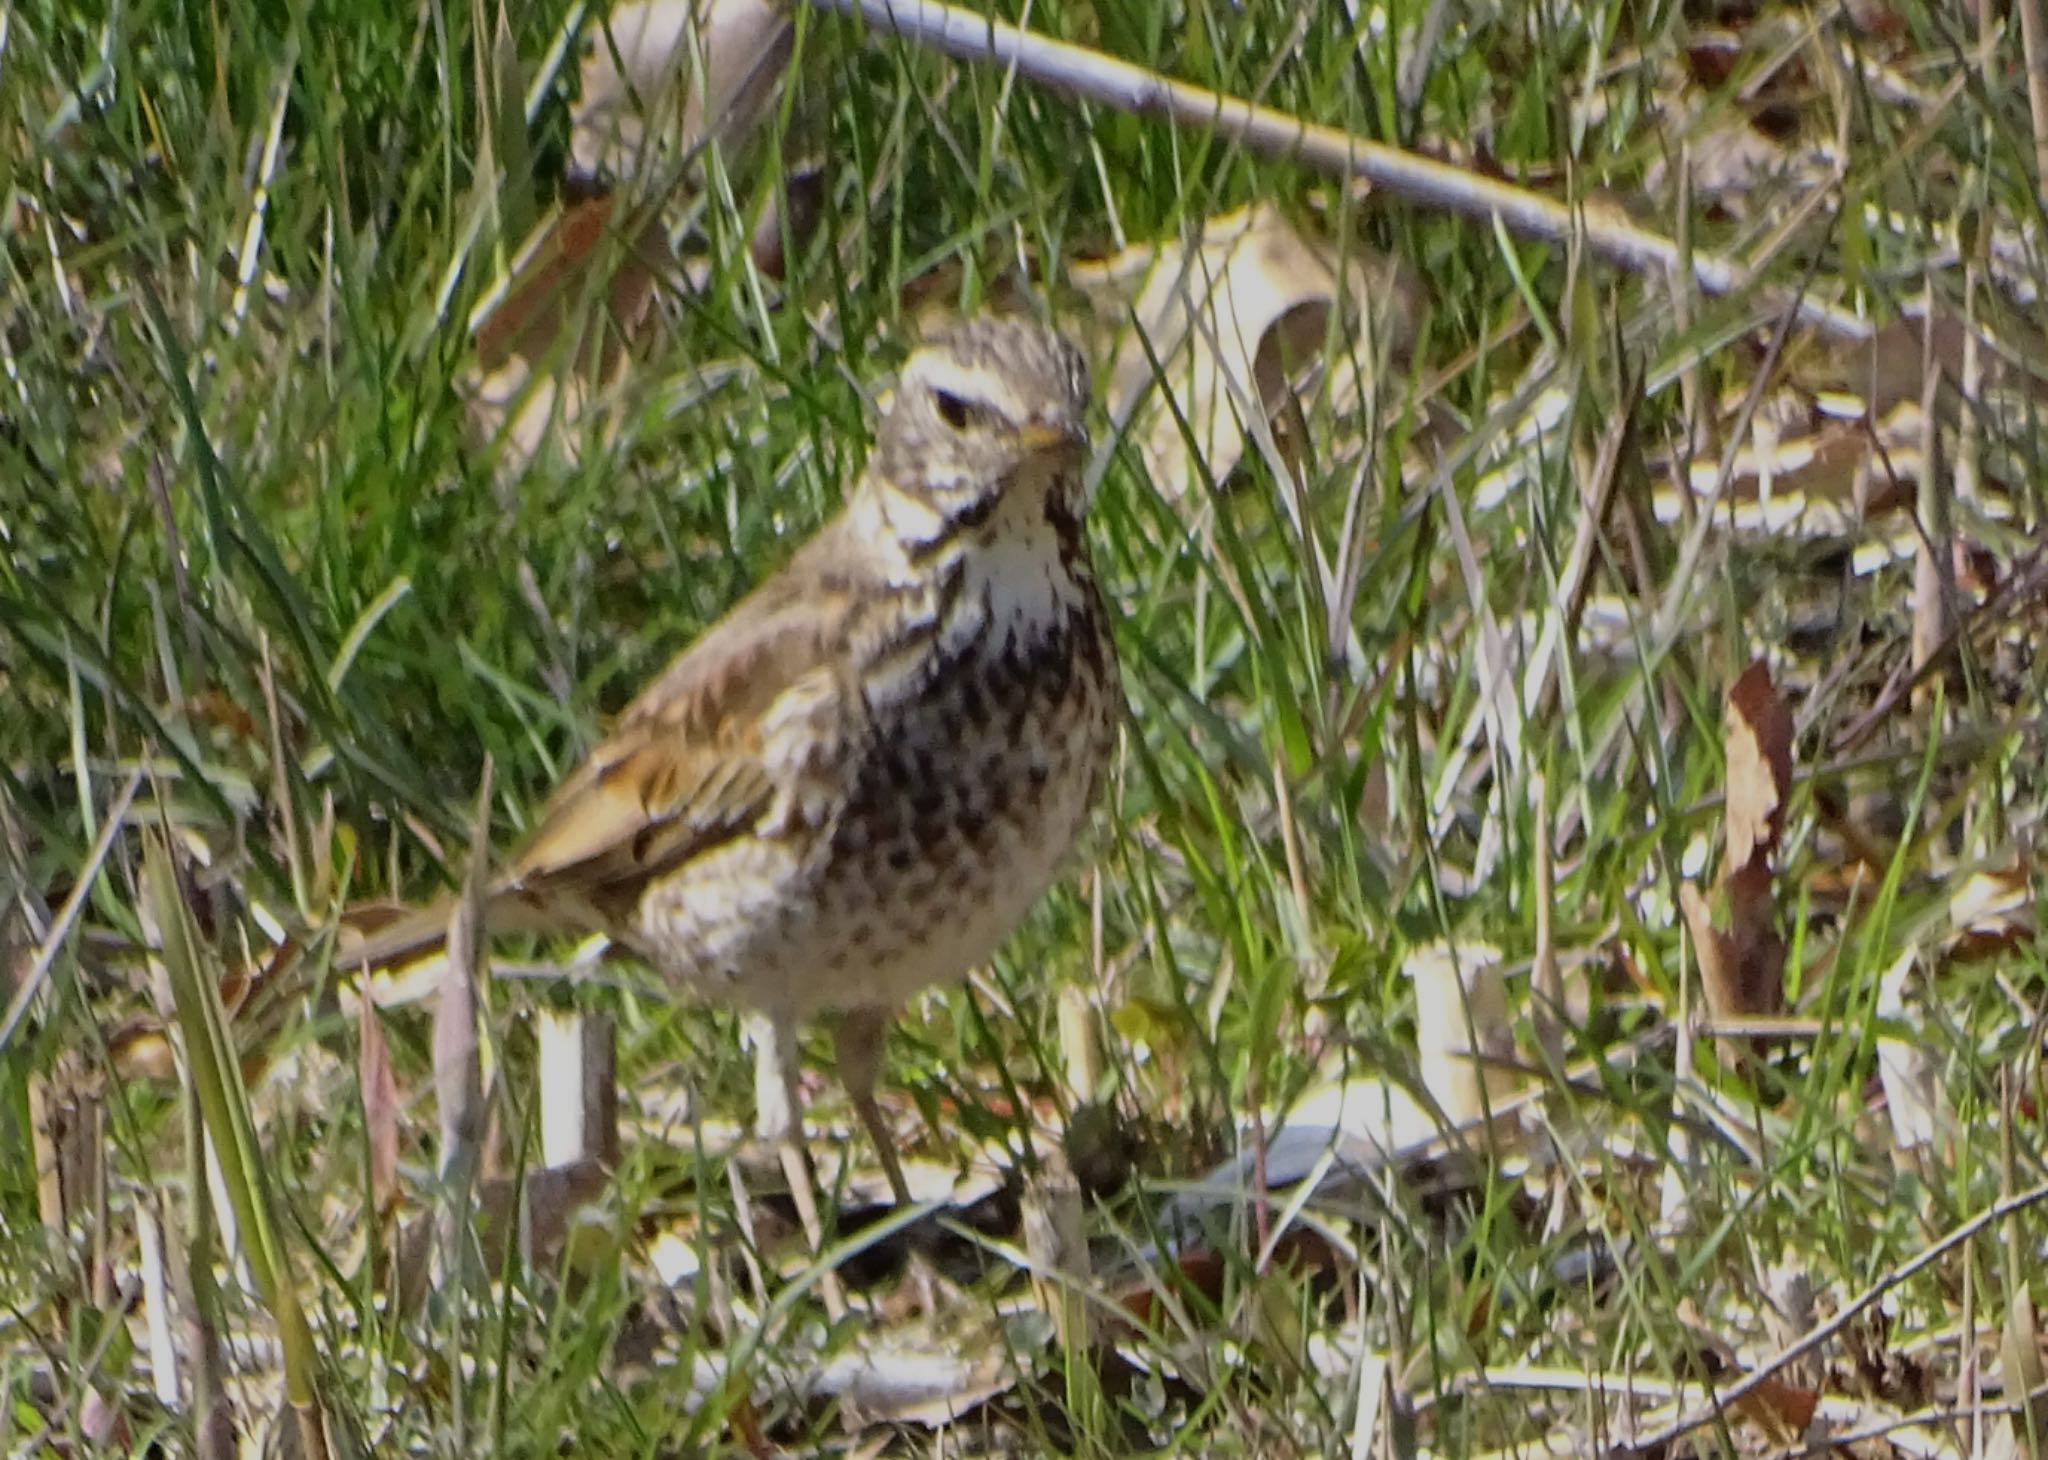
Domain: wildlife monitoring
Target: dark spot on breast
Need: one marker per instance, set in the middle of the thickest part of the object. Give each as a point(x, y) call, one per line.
point(977, 512)
point(900, 857)
point(1060, 674)
point(932, 831)
point(884, 824)
point(1092, 648)
point(973, 705)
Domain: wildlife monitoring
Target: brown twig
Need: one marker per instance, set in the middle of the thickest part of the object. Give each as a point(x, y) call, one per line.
point(2031, 47)
point(1268, 132)
point(1659, 1441)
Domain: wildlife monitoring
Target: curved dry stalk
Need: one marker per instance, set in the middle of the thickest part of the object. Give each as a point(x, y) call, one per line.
point(1269, 132)
point(1661, 1440)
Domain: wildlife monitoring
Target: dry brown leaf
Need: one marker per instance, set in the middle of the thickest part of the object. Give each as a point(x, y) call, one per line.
point(1780, 1407)
point(380, 1109)
point(1782, 1411)
point(1743, 968)
point(576, 307)
point(1237, 319)
point(555, 273)
point(1759, 730)
point(577, 304)
point(1714, 948)
point(1760, 952)
point(672, 73)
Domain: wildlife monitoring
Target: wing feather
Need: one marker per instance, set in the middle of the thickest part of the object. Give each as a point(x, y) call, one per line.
point(684, 768)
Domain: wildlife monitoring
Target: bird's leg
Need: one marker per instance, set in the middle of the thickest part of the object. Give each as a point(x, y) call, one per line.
point(778, 1117)
point(860, 1039)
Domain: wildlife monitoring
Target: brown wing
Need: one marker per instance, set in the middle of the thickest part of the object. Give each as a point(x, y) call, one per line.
point(683, 769)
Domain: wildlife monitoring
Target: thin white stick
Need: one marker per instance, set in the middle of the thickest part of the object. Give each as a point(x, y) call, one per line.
point(1268, 132)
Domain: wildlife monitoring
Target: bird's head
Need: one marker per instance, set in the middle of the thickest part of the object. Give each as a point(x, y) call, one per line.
point(988, 416)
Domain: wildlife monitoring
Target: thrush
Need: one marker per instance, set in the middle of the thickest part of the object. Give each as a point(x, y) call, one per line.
point(855, 785)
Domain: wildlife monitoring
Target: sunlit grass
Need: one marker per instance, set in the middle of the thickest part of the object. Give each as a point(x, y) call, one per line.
point(255, 540)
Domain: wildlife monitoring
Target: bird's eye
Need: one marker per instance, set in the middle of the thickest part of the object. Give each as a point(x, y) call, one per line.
point(956, 411)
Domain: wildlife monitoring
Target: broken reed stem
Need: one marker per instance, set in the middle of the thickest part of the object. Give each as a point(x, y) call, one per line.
point(1268, 132)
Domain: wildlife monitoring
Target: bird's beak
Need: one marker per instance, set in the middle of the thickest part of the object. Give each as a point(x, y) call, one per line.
point(1051, 438)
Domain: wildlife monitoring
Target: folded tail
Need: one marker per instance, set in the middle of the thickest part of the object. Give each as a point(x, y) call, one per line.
point(380, 936)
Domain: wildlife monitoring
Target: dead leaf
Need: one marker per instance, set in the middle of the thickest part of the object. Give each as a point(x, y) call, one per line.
point(2019, 1362)
point(1759, 730)
point(899, 1380)
point(1915, 1100)
point(1743, 968)
point(380, 1109)
point(1463, 1033)
point(1300, 1250)
point(554, 274)
point(1782, 1411)
point(671, 73)
point(1992, 911)
point(575, 308)
point(1237, 319)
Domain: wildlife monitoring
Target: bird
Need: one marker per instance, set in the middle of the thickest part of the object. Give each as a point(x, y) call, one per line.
point(855, 785)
